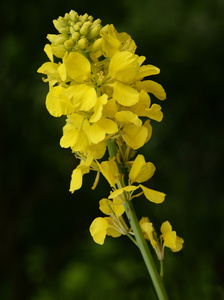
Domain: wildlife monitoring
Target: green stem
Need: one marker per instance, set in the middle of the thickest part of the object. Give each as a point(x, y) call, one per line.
point(141, 242)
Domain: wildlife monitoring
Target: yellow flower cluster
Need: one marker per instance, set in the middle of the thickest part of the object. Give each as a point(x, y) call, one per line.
point(98, 82)
point(168, 238)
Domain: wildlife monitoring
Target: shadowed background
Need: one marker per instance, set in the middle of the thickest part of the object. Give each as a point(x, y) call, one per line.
point(46, 251)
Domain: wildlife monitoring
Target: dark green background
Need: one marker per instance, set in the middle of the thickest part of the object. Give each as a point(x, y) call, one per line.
point(46, 251)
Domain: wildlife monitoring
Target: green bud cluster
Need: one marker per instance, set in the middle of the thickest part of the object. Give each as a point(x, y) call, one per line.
point(76, 32)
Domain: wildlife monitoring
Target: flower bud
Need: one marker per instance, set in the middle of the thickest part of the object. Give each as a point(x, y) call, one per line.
point(64, 30)
point(75, 36)
point(62, 21)
point(73, 16)
point(85, 28)
point(83, 18)
point(69, 44)
point(83, 43)
point(52, 37)
point(57, 25)
point(94, 32)
point(61, 38)
point(96, 45)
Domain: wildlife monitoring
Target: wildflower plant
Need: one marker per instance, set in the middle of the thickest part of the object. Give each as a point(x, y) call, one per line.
point(99, 83)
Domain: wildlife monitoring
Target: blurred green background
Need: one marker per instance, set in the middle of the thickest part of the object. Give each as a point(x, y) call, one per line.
point(46, 251)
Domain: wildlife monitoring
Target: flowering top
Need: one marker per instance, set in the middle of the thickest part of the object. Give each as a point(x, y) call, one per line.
point(101, 85)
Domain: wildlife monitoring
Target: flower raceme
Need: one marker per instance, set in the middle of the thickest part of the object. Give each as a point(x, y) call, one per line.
point(101, 85)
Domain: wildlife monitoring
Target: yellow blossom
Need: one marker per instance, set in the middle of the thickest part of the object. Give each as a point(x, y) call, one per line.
point(171, 240)
point(141, 171)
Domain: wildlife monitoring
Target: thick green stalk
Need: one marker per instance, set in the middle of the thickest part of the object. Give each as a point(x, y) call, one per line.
point(141, 242)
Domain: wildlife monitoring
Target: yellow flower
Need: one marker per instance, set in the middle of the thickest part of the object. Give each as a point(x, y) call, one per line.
point(141, 171)
point(113, 225)
point(171, 240)
point(148, 231)
point(113, 42)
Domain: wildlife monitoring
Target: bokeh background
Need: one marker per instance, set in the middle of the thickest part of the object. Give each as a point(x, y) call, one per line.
point(46, 251)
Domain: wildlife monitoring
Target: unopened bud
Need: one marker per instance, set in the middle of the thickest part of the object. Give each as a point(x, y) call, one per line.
point(52, 37)
point(83, 43)
point(69, 44)
point(85, 28)
point(96, 45)
point(75, 36)
point(83, 18)
point(73, 16)
point(64, 30)
point(94, 32)
point(61, 38)
point(57, 25)
point(62, 21)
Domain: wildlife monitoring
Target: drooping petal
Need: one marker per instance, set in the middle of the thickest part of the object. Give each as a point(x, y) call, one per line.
point(48, 51)
point(141, 171)
point(125, 94)
point(57, 103)
point(77, 176)
point(82, 96)
point(77, 66)
point(124, 67)
point(98, 130)
point(134, 136)
point(120, 191)
point(128, 117)
point(152, 195)
point(152, 87)
point(148, 230)
point(110, 171)
point(98, 230)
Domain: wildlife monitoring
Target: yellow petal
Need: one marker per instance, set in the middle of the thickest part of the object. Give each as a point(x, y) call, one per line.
point(98, 230)
point(152, 87)
point(110, 108)
point(77, 66)
point(105, 206)
point(111, 230)
point(154, 112)
point(73, 134)
point(148, 230)
point(152, 195)
point(149, 128)
point(128, 117)
point(147, 70)
point(48, 51)
point(77, 175)
point(49, 68)
point(62, 72)
point(57, 103)
point(110, 171)
point(110, 43)
point(124, 66)
point(120, 191)
point(134, 136)
point(98, 108)
point(82, 96)
point(98, 130)
point(141, 171)
point(125, 94)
